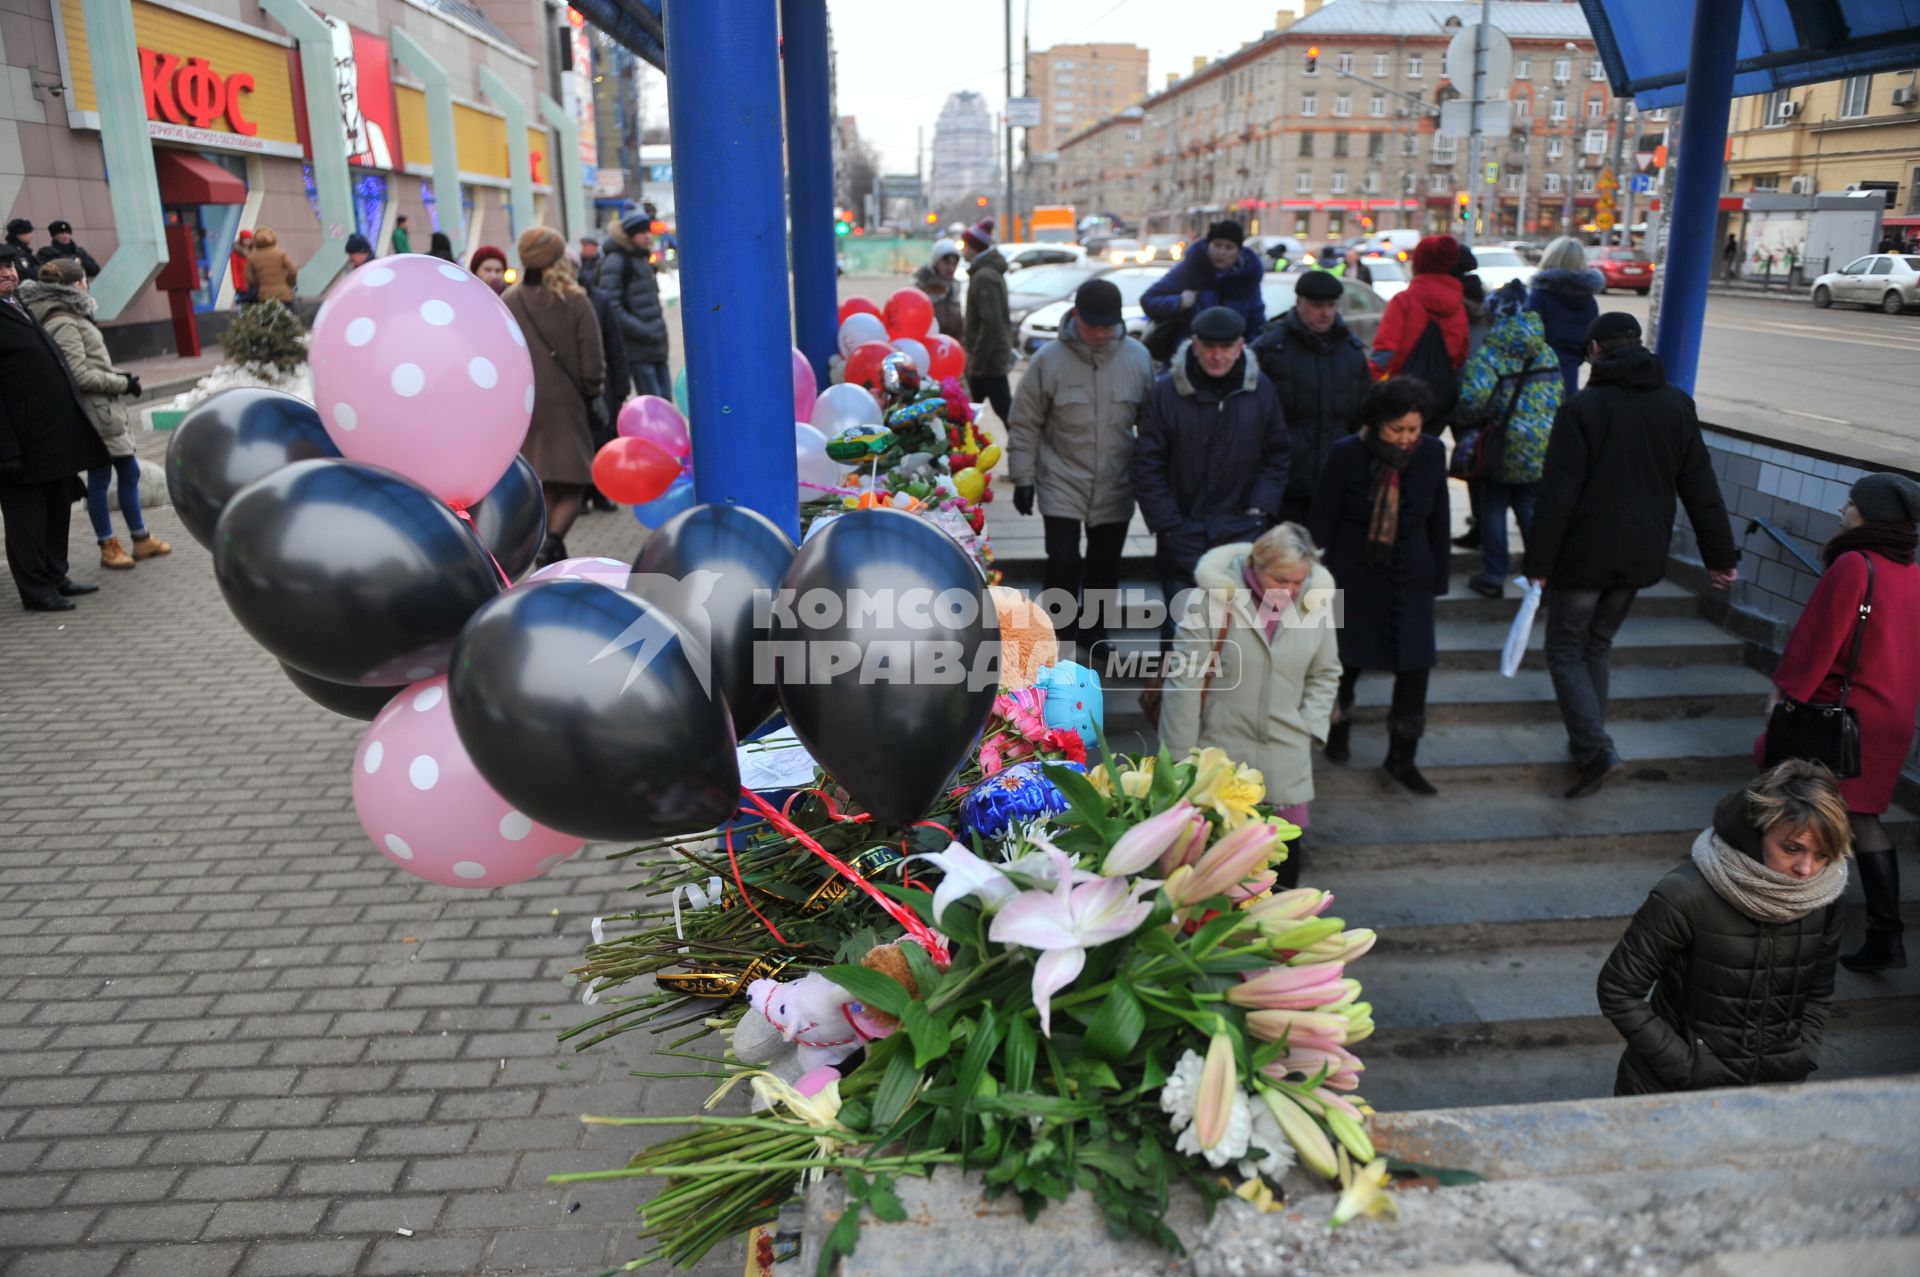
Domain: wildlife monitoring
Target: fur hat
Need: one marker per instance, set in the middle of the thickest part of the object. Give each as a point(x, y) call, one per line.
point(1436, 254)
point(60, 227)
point(1227, 229)
point(541, 247)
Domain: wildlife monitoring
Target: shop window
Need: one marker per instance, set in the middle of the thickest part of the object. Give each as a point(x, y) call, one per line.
point(214, 227)
point(369, 205)
point(1300, 223)
point(1336, 225)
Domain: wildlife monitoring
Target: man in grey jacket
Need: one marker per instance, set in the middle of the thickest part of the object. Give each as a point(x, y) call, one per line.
point(1070, 441)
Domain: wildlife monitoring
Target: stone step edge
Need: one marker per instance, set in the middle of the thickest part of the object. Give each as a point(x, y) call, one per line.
point(1513, 934)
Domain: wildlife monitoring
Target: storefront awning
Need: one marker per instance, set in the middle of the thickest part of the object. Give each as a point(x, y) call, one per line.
point(186, 178)
point(1900, 221)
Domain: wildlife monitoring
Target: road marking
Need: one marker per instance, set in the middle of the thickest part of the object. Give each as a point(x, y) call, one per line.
point(1906, 346)
point(1827, 329)
point(1814, 416)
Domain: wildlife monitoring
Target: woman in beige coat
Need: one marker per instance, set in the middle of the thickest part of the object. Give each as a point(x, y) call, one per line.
point(556, 316)
point(64, 306)
point(271, 274)
point(1255, 666)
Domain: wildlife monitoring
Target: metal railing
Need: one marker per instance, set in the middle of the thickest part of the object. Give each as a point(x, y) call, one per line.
point(1761, 525)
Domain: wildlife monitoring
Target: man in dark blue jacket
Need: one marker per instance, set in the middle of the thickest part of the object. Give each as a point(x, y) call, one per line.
point(1225, 274)
point(1319, 368)
point(1210, 463)
point(626, 276)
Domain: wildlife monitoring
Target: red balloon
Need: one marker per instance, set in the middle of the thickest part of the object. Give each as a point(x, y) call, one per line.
point(909, 314)
point(945, 357)
point(634, 471)
point(863, 365)
point(858, 306)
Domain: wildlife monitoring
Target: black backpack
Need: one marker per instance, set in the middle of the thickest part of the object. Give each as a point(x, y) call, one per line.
point(1430, 362)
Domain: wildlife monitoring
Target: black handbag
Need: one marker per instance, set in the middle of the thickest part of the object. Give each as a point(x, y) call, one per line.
point(1828, 734)
point(1163, 339)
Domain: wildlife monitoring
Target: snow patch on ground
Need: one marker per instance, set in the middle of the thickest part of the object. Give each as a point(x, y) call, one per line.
point(299, 383)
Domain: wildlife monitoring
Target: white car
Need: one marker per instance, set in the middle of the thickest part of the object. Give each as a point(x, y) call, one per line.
point(1043, 325)
point(1890, 281)
point(1500, 265)
point(1390, 274)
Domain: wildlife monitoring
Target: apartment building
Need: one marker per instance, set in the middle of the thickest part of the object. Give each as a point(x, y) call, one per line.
point(1079, 85)
point(1858, 133)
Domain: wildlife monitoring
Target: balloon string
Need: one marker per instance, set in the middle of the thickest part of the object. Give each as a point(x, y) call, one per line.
point(468, 520)
point(906, 875)
point(741, 883)
point(909, 921)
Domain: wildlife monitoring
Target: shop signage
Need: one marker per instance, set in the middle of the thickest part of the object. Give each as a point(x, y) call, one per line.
point(189, 91)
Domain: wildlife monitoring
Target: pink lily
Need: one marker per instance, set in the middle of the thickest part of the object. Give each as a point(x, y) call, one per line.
point(1229, 862)
point(1152, 838)
point(1289, 988)
point(1276, 912)
point(1343, 1065)
point(1255, 886)
point(1217, 1091)
point(1303, 1030)
point(1188, 850)
point(1344, 947)
point(1081, 911)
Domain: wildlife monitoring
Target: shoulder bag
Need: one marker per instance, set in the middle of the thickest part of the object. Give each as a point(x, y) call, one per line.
point(596, 406)
point(1828, 734)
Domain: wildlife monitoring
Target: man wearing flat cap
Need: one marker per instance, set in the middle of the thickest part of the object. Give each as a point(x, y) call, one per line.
point(1319, 369)
point(63, 246)
point(1219, 271)
point(1620, 452)
point(1069, 444)
point(1210, 465)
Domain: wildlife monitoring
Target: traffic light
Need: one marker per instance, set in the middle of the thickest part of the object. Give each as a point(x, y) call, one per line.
point(1366, 223)
point(1313, 59)
point(982, 201)
point(933, 219)
point(1465, 200)
point(841, 226)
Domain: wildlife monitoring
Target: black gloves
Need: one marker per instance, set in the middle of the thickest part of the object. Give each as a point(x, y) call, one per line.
point(1023, 499)
point(133, 386)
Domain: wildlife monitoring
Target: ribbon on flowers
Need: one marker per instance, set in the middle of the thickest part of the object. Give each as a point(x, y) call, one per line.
point(909, 921)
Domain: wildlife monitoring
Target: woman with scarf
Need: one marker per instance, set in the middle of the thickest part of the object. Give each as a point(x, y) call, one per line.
point(1873, 550)
point(1737, 945)
point(1260, 668)
point(1380, 511)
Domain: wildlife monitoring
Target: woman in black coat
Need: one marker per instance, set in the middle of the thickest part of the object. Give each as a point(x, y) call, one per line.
point(1738, 945)
point(1380, 512)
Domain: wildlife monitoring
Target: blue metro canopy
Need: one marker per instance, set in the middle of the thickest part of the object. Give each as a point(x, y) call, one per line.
point(1783, 43)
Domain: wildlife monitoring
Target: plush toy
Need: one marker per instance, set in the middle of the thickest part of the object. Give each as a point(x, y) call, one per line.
point(802, 1030)
point(1027, 642)
point(1074, 698)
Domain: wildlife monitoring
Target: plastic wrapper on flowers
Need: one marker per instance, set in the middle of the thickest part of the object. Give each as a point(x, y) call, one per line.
point(1116, 1002)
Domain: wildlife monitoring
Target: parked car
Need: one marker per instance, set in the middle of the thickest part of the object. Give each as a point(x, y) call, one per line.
point(1890, 281)
point(1166, 248)
point(1499, 265)
point(1042, 324)
point(1390, 274)
point(1037, 286)
point(1624, 268)
point(1528, 249)
point(1026, 256)
point(1125, 252)
point(1398, 244)
point(1360, 306)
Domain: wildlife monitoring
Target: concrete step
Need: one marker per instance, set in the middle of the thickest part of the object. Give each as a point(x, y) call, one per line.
point(1635, 692)
point(1658, 641)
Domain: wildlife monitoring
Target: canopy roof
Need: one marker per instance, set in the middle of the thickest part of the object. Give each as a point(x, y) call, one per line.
point(634, 23)
point(1783, 43)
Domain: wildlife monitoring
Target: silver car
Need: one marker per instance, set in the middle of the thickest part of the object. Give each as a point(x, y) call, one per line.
point(1890, 281)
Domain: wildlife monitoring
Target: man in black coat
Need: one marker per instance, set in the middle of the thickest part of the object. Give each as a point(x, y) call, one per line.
point(1620, 451)
point(63, 246)
point(626, 275)
point(1210, 463)
point(46, 440)
point(1319, 369)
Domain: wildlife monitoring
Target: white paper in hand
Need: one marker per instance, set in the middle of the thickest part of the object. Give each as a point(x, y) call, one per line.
point(1522, 628)
point(776, 761)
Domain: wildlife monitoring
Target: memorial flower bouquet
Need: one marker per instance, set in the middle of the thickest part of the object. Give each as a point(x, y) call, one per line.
point(1111, 999)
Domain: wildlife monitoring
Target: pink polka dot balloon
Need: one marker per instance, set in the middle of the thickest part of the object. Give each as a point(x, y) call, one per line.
point(604, 571)
point(425, 807)
point(418, 367)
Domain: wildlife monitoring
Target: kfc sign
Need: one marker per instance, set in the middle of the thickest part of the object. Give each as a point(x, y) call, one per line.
point(190, 92)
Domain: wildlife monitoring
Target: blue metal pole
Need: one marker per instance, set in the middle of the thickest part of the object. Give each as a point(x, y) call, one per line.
point(816, 301)
point(723, 86)
point(1696, 192)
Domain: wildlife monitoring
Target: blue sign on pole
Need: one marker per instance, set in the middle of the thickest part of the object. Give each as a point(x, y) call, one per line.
point(1642, 183)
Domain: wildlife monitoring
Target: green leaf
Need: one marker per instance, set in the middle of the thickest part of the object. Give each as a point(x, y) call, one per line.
point(1080, 793)
point(884, 1202)
point(872, 988)
point(927, 1033)
point(1022, 1049)
point(1096, 1073)
point(1116, 1026)
point(980, 1047)
point(926, 977)
point(843, 1240)
point(896, 1088)
point(963, 922)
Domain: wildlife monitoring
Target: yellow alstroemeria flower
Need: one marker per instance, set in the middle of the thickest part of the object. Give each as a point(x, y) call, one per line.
point(1229, 790)
point(1365, 1195)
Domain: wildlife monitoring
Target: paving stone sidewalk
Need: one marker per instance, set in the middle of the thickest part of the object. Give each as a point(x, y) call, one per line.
point(233, 1039)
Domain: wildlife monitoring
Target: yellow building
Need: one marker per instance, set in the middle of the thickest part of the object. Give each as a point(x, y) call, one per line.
point(1860, 133)
point(1078, 84)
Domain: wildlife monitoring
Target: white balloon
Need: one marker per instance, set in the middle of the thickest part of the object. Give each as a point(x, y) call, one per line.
point(813, 463)
point(843, 405)
point(915, 351)
point(859, 329)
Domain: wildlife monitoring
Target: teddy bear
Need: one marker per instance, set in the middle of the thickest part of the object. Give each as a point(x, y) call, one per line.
point(802, 1030)
point(1027, 642)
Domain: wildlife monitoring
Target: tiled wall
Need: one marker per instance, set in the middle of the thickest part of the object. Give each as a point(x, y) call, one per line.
point(1799, 492)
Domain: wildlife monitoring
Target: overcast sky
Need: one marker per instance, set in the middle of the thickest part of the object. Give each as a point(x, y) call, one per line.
point(898, 62)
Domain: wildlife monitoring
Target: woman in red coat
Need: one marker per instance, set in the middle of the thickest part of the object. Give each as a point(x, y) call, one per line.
point(1435, 296)
point(1877, 525)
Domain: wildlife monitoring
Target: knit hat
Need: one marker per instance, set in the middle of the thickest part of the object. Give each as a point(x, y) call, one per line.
point(945, 248)
point(979, 236)
point(1611, 327)
point(1466, 263)
point(1436, 255)
point(485, 253)
point(540, 247)
point(637, 221)
point(1509, 300)
point(1887, 498)
point(357, 243)
point(61, 227)
point(1098, 303)
point(19, 226)
point(1227, 229)
point(1319, 286)
point(1219, 324)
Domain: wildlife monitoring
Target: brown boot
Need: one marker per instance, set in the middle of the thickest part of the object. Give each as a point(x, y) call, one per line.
point(114, 555)
point(149, 546)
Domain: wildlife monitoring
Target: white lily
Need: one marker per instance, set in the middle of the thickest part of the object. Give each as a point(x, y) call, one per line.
point(1082, 910)
point(964, 874)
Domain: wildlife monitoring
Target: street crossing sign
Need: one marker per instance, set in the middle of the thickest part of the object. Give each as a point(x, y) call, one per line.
point(1603, 220)
point(1607, 180)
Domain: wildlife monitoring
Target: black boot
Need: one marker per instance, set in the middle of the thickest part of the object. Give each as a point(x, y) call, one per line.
point(552, 550)
point(1403, 736)
point(1287, 872)
point(1339, 744)
point(1470, 539)
point(1884, 950)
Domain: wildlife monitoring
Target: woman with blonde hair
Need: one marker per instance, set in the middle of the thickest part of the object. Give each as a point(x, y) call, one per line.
point(1738, 945)
point(271, 274)
point(557, 318)
point(1563, 292)
point(1255, 665)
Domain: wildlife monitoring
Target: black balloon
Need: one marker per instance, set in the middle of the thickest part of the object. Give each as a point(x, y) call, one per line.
point(232, 439)
point(346, 699)
point(715, 569)
point(893, 727)
point(349, 572)
point(511, 520)
point(578, 704)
